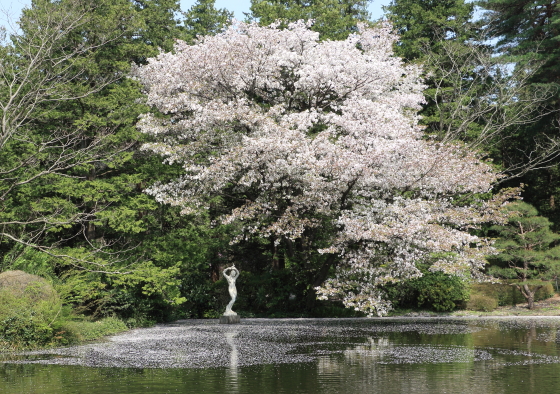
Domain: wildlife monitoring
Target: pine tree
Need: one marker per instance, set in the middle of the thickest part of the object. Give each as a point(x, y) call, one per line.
point(71, 175)
point(528, 32)
point(527, 250)
point(472, 95)
point(425, 23)
point(204, 19)
point(333, 19)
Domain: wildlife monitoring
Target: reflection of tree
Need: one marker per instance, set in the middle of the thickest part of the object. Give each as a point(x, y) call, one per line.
point(370, 364)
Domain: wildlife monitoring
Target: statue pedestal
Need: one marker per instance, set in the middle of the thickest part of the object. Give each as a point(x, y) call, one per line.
point(231, 319)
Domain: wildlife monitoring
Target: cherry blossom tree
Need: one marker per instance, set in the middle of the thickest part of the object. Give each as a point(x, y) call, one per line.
point(301, 136)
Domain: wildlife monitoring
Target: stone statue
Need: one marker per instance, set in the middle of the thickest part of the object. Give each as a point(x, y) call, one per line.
point(231, 277)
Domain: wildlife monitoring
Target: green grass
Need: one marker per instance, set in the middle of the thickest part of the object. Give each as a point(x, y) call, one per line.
point(84, 330)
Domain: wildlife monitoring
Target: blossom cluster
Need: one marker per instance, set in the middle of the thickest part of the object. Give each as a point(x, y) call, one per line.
point(298, 130)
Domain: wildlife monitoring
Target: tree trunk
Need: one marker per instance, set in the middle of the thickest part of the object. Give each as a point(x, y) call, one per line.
point(529, 295)
point(91, 234)
point(531, 301)
point(552, 202)
point(278, 258)
point(320, 277)
point(214, 272)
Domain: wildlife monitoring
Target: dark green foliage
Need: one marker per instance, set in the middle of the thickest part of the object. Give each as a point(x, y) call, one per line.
point(100, 219)
point(204, 19)
point(424, 24)
point(527, 23)
point(527, 251)
point(440, 292)
point(434, 290)
point(525, 245)
point(529, 32)
point(71, 160)
point(438, 35)
point(334, 19)
point(507, 293)
point(272, 293)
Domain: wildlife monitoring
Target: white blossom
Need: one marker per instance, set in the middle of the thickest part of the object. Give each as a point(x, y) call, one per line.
point(305, 130)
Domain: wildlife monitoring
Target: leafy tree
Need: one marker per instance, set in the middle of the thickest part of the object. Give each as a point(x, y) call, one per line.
point(204, 19)
point(472, 95)
point(333, 19)
point(422, 24)
point(528, 32)
point(528, 24)
point(315, 146)
point(42, 71)
point(527, 251)
point(71, 177)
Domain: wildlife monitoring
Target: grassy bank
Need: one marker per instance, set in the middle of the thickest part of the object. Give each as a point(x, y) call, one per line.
point(548, 307)
point(24, 334)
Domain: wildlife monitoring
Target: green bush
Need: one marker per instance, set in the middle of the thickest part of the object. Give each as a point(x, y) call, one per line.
point(26, 321)
point(32, 316)
point(27, 285)
point(479, 302)
point(434, 290)
point(507, 294)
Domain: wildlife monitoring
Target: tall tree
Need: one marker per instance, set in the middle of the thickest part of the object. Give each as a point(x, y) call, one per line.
point(472, 95)
point(316, 145)
point(529, 31)
point(529, 24)
point(425, 23)
point(42, 71)
point(333, 19)
point(71, 178)
point(204, 19)
point(527, 250)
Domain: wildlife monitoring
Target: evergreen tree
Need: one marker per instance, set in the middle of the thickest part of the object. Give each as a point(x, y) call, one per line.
point(472, 95)
point(527, 23)
point(439, 35)
point(204, 19)
point(71, 177)
point(333, 19)
point(527, 250)
point(425, 23)
point(528, 32)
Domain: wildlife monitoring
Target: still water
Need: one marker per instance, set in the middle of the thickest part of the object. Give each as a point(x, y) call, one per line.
point(483, 356)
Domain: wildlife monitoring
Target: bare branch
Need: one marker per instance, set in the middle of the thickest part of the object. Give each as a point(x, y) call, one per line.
point(483, 100)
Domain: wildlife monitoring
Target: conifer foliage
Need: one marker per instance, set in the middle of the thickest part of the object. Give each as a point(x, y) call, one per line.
point(526, 250)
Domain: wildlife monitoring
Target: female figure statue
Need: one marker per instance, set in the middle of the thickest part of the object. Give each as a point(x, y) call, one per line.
point(231, 277)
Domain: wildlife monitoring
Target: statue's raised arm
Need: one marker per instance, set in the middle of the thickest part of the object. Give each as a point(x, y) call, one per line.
point(231, 274)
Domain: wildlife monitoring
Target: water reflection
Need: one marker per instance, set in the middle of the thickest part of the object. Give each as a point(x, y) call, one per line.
point(490, 357)
point(232, 373)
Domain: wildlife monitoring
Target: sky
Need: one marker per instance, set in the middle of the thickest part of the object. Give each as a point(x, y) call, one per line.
point(240, 6)
point(12, 8)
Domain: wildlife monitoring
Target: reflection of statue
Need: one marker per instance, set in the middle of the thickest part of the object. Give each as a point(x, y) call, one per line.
point(233, 274)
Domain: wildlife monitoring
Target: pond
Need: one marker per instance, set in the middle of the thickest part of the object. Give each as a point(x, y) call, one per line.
point(389, 355)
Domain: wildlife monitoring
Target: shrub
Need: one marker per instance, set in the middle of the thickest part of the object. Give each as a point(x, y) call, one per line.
point(434, 290)
point(479, 302)
point(439, 291)
point(28, 285)
point(30, 311)
point(545, 292)
point(507, 294)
